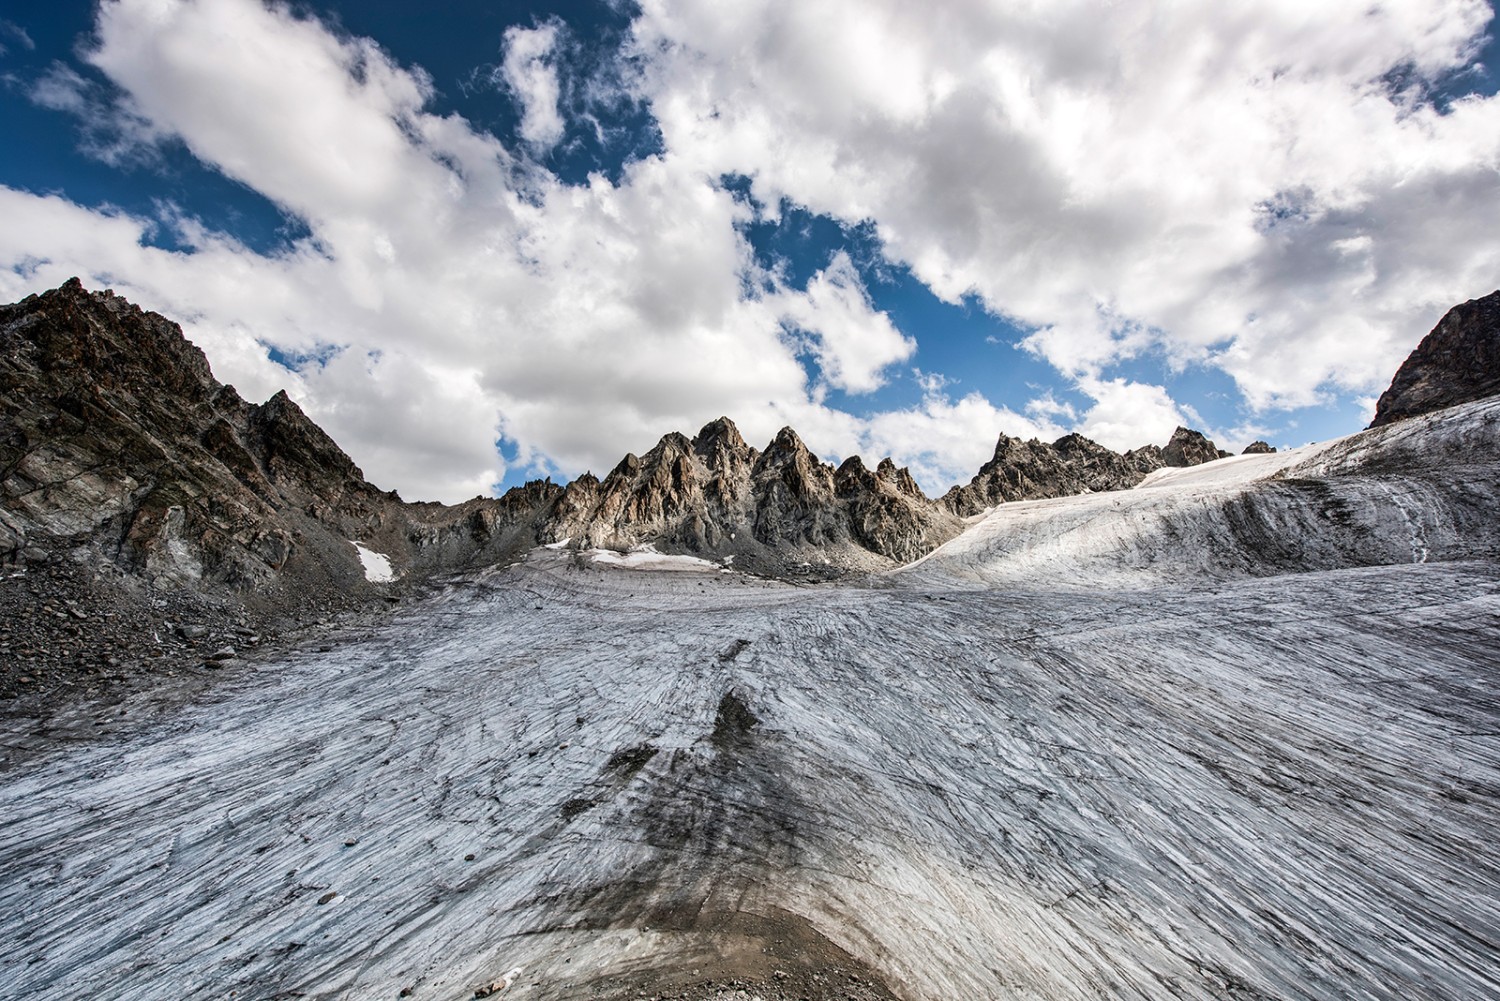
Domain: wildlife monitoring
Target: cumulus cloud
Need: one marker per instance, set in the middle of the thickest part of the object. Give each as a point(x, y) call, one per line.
point(945, 441)
point(451, 291)
point(1262, 187)
point(853, 343)
point(532, 78)
point(1127, 414)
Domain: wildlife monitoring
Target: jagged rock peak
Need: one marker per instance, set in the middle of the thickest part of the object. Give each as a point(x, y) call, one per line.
point(1073, 464)
point(1458, 362)
point(786, 443)
point(1190, 448)
point(628, 466)
point(290, 442)
point(1005, 445)
point(1258, 448)
point(887, 472)
point(106, 341)
point(719, 433)
point(672, 444)
point(852, 466)
point(116, 436)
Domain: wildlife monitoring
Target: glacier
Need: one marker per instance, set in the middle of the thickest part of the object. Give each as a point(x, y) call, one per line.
point(1234, 733)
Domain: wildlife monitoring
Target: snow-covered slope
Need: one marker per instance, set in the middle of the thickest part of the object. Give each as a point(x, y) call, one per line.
point(623, 780)
point(1425, 489)
point(1146, 765)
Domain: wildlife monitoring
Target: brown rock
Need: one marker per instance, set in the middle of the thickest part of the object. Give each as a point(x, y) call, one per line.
point(1458, 362)
point(1190, 448)
point(1032, 470)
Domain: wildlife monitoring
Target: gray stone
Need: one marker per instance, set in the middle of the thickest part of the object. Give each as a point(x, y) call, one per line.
point(1458, 362)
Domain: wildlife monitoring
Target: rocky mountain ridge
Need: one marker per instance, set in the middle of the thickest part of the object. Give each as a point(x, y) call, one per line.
point(1457, 362)
point(1072, 465)
point(715, 494)
point(113, 431)
point(150, 515)
point(116, 434)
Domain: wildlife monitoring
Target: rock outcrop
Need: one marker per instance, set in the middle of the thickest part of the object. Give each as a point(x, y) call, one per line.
point(1190, 448)
point(1258, 448)
point(114, 434)
point(716, 495)
point(115, 430)
point(1033, 470)
point(1458, 362)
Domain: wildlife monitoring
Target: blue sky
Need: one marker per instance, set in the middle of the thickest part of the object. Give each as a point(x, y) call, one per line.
point(486, 242)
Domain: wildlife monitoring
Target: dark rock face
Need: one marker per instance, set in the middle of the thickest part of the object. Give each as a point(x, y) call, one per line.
point(887, 512)
point(1032, 470)
point(1458, 362)
point(113, 428)
point(1258, 448)
point(714, 494)
point(115, 434)
point(1190, 448)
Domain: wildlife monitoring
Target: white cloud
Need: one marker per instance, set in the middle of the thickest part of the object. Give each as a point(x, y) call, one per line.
point(944, 441)
point(1226, 185)
point(109, 133)
point(465, 292)
point(61, 89)
point(1048, 407)
point(852, 342)
point(533, 80)
point(1127, 414)
point(1105, 172)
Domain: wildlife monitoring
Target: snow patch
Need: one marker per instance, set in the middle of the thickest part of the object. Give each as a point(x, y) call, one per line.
point(647, 558)
point(377, 565)
point(1233, 470)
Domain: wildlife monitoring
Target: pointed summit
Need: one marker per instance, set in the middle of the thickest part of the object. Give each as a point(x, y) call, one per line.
point(785, 444)
point(671, 445)
point(1457, 362)
point(717, 434)
point(1190, 448)
point(899, 478)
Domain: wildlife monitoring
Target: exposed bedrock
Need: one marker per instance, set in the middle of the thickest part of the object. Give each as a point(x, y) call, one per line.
point(115, 435)
point(1458, 362)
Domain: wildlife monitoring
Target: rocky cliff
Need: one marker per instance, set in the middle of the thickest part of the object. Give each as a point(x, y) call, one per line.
point(714, 494)
point(113, 430)
point(1458, 362)
point(1073, 464)
point(1190, 448)
point(115, 435)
